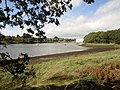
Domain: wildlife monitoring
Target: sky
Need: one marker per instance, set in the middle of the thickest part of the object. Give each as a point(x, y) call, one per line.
point(102, 15)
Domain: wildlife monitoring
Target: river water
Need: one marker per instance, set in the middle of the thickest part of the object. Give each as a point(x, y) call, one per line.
point(41, 49)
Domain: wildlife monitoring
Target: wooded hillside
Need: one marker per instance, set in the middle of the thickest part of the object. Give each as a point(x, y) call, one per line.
point(112, 36)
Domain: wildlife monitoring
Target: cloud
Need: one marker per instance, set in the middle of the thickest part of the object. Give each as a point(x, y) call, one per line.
point(106, 17)
point(68, 28)
point(9, 31)
point(111, 6)
point(76, 3)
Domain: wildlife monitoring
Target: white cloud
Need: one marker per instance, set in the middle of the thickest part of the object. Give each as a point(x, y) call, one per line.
point(111, 6)
point(68, 28)
point(105, 18)
point(76, 3)
point(10, 31)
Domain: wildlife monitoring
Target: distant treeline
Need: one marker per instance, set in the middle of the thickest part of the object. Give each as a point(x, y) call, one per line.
point(112, 36)
point(27, 38)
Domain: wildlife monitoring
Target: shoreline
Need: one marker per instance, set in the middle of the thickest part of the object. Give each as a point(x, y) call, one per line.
point(43, 58)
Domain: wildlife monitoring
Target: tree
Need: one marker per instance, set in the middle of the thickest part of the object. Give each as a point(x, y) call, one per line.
point(112, 36)
point(89, 1)
point(2, 38)
point(31, 13)
point(41, 36)
point(55, 39)
point(18, 36)
point(26, 35)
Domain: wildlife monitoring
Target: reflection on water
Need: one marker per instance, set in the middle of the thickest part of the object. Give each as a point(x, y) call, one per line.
point(41, 49)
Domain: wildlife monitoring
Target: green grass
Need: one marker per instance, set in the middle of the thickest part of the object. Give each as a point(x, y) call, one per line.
point(101, 44)
point(65, 70)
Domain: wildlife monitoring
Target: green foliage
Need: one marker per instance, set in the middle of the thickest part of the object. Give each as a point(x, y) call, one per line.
point(27, 38)
point(112, 36)
point(55, 39)
point(26, 35)
point(65, 70)
point(33, 14)
point(17, 68)
point(89, 1)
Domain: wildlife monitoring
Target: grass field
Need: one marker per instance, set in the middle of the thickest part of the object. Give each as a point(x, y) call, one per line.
point(69, 68)
point(101, 44)
point(102, 67)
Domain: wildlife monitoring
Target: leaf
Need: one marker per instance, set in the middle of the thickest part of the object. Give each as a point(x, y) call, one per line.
point(21, 27)
point(30, 30)
point(70, 6)
point(57, 22)
point(51, 20)
point(27, 22)
point(20, 13)
point(89, 1)
point(7, 9)
point(33, 13)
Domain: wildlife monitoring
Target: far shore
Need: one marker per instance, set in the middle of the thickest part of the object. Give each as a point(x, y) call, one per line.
point(39, 59)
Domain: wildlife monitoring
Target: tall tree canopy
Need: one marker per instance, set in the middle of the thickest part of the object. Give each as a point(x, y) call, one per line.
point(112, 36)
point(33, 13)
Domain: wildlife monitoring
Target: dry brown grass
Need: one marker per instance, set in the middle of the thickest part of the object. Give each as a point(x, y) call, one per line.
point(107, 73)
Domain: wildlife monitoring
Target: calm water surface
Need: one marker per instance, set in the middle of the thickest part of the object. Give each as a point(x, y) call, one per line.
point(41, 49)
